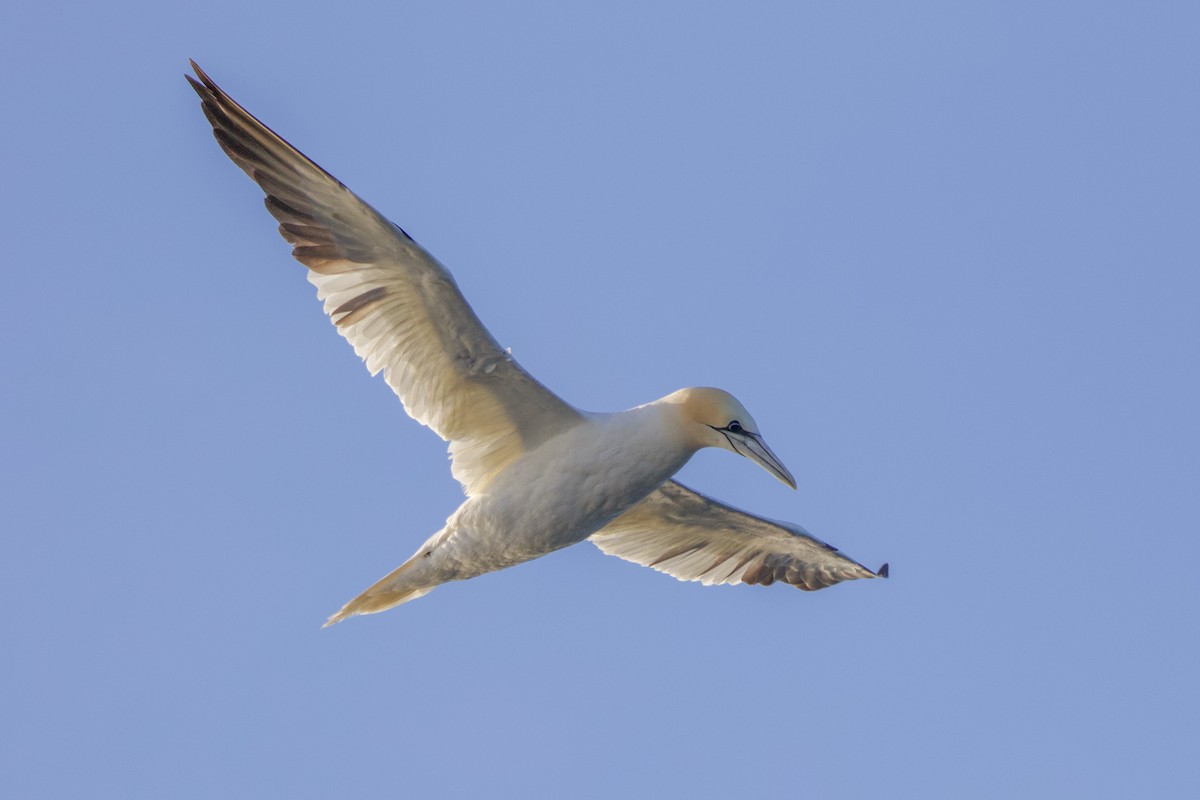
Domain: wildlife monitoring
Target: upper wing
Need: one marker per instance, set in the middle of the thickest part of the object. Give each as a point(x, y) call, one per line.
point(695, 538)
point(398, 307)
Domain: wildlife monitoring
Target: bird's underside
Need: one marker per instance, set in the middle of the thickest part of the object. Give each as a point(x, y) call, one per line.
point(405, 317)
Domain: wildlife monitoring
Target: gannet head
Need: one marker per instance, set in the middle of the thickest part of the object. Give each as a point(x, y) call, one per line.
point(715, 418)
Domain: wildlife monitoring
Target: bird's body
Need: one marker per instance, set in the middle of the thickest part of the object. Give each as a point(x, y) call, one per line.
point(548, 498)
point(568, 488)
point(539, 474)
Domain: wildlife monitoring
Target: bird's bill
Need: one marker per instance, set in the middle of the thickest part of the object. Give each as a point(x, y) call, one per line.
point(754, 448)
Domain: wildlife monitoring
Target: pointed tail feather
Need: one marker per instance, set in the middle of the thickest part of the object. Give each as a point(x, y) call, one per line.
point(387, 593)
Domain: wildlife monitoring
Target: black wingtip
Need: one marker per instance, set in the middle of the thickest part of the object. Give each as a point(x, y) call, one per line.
point(196, 85)
point(204, 85)
point(199, 72)
point(882, 571)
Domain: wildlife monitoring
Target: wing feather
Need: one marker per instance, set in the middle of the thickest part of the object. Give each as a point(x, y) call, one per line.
point(695, 538)
point(397, 306)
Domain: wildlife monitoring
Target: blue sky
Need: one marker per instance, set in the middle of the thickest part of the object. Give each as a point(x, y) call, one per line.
point(947, 253)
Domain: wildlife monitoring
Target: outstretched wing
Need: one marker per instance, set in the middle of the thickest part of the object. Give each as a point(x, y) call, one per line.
point(398, 307)
point(695, 538)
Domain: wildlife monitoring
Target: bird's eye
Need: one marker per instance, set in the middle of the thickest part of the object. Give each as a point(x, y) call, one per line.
point(734, 427)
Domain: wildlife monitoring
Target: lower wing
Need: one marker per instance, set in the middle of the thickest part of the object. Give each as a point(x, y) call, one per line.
point(695, 538)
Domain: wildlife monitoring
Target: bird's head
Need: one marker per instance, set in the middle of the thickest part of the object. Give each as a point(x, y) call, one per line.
point(715, 418)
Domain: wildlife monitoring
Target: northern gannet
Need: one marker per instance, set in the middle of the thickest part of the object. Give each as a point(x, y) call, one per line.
point(538, 473)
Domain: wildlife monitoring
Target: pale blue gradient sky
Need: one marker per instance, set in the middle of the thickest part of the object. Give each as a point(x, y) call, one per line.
point(948, 253)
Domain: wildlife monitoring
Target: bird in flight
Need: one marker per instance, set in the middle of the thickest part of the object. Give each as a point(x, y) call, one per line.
point(538, 473)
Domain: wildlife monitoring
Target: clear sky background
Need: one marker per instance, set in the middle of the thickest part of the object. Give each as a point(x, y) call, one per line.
point(947, 253)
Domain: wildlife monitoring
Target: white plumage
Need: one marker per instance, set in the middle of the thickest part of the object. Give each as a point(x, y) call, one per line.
point(539, 474)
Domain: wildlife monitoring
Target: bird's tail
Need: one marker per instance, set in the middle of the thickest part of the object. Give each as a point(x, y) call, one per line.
point(391, 591)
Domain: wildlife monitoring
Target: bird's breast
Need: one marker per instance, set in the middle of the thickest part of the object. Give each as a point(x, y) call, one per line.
point(574, 484)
